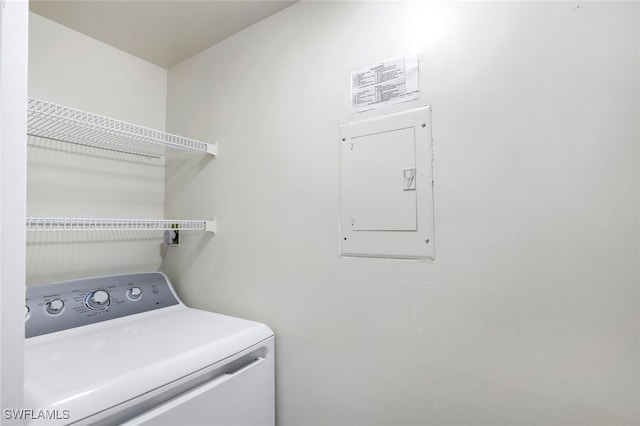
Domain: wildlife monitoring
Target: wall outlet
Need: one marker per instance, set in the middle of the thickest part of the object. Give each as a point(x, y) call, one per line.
point(176, 238)
point(172, 237)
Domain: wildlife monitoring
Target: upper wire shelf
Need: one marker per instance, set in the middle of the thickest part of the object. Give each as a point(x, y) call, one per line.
point(104, 224)
point(58, 122)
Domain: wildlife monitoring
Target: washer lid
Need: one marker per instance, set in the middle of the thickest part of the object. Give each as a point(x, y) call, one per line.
point(91, 368)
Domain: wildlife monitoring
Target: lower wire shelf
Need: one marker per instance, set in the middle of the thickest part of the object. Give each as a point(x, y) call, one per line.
point(43, 224)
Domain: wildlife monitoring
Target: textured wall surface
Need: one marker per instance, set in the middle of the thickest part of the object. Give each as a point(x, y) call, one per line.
point(529, 315)
point(71, 69)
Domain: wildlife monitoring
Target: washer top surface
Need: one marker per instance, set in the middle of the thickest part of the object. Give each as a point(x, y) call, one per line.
point(93, 367)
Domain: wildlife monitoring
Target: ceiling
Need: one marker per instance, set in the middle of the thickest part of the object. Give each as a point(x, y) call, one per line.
point(163, 32)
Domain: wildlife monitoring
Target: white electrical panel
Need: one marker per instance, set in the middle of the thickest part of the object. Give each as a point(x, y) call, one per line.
point(386, 186)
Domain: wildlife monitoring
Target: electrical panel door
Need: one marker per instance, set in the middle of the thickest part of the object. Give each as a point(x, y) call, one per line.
point(386, 186)
point(380, 200)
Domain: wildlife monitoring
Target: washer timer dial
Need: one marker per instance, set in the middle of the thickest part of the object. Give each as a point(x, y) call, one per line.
point(98, 300)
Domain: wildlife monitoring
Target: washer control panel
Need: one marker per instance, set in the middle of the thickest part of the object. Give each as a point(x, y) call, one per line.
point(69, 304)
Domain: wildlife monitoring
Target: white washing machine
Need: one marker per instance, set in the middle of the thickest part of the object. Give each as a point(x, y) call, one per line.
point(124, 349)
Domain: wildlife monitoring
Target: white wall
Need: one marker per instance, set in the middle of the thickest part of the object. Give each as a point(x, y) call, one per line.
point(69, 68)
point(530, 313)
point(13, 158)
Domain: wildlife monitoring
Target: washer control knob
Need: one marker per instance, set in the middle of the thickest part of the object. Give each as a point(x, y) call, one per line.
point(100, 297)
point(98, 300)
point(134, 293)
point(55, 306)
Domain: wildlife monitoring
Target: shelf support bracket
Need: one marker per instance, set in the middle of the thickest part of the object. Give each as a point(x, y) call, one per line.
point(211, 226)
point(212, 149)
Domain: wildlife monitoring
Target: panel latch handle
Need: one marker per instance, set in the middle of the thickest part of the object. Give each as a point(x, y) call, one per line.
point(409, 179)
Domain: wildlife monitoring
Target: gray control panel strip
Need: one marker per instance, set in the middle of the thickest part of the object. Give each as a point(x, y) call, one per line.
point(69, 304)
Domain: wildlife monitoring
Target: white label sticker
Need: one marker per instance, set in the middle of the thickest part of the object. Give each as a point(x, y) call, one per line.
point(389, 82)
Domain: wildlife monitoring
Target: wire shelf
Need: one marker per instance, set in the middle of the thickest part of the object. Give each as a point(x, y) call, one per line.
point(102, 224)
point(58, 122)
